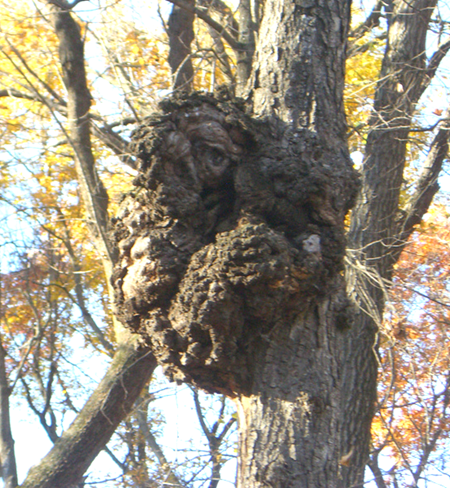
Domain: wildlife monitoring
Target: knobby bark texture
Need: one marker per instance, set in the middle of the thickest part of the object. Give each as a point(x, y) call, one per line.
point(231, 254)
point(231, 245)
point(230, 267)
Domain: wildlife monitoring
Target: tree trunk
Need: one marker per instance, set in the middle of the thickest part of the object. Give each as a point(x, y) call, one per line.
point(230, 268)
point(231, 255)
point(375, 225)
point(181, 34)
point(7, 458)
point(232, 248)
point(297, 427)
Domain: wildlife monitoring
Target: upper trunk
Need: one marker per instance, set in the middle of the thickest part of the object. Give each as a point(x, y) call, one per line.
point(181, 34)
point(299, 68)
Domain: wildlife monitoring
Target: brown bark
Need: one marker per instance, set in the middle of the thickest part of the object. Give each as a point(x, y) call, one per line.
point(298, 73)
point(246, 38)
point(232, 245)
point(379, 228)
point(374, 223)
point(231, 253)
point(95, 198)
point(230, 260)
point(181, 34)
point(8, 470)
point(108, 405)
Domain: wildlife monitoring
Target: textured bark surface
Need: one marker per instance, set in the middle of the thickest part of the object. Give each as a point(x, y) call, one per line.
point(298, 72)
point(377, 222)
point(230, 268)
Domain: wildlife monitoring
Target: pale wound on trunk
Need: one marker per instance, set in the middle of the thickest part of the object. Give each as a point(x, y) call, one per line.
point(235, 225)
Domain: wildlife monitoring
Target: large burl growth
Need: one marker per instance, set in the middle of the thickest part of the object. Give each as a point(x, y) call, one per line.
point(234, 226)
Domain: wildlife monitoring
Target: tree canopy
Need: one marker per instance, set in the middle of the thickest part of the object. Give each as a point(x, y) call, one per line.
point(229, 127)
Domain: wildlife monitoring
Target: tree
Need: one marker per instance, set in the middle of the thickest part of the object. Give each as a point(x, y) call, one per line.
point(229, 252)
point(414, 387)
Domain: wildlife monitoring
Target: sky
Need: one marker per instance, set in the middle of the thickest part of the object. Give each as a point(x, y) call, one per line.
point(177, 405)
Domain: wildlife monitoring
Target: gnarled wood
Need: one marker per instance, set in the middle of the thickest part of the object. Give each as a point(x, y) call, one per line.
point(231, 250)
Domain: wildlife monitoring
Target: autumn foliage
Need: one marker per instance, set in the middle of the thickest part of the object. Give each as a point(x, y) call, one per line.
point(52, 285)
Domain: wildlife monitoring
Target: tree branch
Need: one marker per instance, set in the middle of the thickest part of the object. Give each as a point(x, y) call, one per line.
point(375, 468)
point(65, 5)
point(141, 415)
point(234, 44)
point(7, 456)
point(109, 404)
point(104, 133)
point(427, 185)
point(95, 198)
point(433, 65)
point(373, 20)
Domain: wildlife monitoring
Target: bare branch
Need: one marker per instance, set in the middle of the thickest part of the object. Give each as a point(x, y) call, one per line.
point(373, 20)
point(95, 198)
point(7, 456)
point(427, 185)
point(141, 415)
point(433, 64)
point(108, 405)
point(375, 468)
point(234, 44)
point(35, 75)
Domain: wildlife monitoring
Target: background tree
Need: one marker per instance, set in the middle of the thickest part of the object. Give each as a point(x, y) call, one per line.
point(265, 233)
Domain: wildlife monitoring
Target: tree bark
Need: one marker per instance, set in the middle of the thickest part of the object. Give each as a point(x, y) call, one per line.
point(95, 198)
point(109, 404)
point(8, 461)
point(249, 299)
point(374, 227)
point(298, 73)
point(231, 255)
point(298, 428)
point(378, 228)
point(230, 260)
point(181, 34)
point(231, 247)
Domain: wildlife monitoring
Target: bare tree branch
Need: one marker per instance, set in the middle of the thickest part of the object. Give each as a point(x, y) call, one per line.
point(7, 456)
point(373, 20)
point(427, 185)
point(141, 415)
point(433, 65)
point(108, 405)
point(206, 18)
point(375, 468)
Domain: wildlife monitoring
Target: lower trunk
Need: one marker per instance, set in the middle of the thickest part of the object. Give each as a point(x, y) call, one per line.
point(307, 421)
